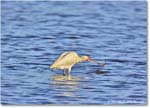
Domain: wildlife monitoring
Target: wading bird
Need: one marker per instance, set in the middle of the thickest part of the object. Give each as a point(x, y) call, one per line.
point(67, 59)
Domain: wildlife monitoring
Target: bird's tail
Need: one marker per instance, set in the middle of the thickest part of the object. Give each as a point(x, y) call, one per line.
point(52, 67)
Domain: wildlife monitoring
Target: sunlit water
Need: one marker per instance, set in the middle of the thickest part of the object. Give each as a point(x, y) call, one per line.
point(34, 34)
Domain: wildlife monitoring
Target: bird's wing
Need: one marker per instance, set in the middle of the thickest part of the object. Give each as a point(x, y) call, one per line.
point(66, 59)
point(61, 56)
point(69, 59)
point(58, 59)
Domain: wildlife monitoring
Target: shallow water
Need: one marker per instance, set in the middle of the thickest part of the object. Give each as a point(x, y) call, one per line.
point(34, 34)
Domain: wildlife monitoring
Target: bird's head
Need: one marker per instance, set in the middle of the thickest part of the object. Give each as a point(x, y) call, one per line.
point(87, 58)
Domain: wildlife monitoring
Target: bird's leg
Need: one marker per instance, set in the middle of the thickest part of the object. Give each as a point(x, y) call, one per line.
point(69, 77)
point(69, 70)
point(64, 72)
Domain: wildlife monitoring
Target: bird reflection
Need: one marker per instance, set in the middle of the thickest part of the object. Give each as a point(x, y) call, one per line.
point(65, 80)
point(66, 85)
point(61, 77)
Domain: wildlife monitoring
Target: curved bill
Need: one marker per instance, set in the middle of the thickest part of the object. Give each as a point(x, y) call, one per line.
point(92, 60)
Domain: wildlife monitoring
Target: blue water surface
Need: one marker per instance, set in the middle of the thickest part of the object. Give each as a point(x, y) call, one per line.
point(34, 34)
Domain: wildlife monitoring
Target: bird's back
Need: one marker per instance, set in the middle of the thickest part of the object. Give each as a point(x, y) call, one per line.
point(65, 60)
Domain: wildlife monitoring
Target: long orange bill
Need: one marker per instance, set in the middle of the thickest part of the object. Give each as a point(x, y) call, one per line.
point(92, 60)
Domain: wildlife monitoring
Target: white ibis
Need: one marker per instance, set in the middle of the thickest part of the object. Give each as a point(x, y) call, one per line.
point(67, 59)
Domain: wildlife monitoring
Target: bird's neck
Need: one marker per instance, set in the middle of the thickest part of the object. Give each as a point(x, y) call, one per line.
point(80, 59)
